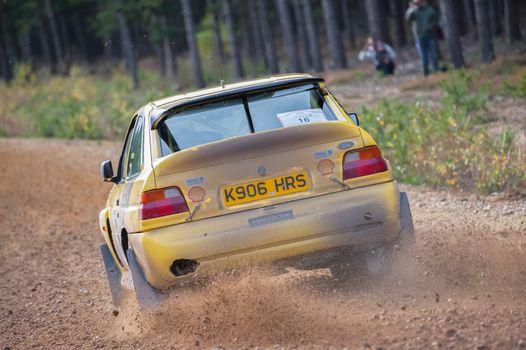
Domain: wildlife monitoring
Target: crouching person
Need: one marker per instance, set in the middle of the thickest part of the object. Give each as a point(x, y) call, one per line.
point(381, 54)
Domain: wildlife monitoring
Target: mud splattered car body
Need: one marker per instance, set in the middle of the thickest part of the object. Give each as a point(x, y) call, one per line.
point(264, 169)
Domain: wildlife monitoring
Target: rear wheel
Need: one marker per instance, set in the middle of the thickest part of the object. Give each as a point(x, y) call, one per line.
point(378, 261)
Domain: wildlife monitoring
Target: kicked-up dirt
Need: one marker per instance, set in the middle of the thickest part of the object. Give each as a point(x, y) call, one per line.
point(463, 285)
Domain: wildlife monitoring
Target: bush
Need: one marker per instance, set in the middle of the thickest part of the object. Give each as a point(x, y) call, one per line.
point(446, 145)
point(77, 106)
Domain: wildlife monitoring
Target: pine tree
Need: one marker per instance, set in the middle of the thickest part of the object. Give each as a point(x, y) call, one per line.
point(452, 34)
point(333, 35)
point(191, 42)
point(484, 30)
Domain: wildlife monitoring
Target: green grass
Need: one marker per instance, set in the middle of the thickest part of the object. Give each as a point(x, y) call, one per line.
point(77, 106)
point(515, 90)
point(447, 145)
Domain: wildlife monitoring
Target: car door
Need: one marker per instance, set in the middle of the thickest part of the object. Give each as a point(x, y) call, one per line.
point(120, 194)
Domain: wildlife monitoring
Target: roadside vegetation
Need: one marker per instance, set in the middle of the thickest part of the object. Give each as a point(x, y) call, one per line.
point(455, 142)
point(80, 105)
point(447, 142)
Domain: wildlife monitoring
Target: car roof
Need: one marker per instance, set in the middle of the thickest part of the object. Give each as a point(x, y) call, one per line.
point(225, 91)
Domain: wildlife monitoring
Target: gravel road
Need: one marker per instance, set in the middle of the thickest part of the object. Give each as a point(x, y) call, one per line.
point(462, 286)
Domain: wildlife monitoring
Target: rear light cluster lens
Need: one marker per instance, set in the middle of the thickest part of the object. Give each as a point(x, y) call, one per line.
point(362, 162)
point(162, 202)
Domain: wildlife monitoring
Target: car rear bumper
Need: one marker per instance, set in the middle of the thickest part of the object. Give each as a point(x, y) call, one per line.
point(358, 218)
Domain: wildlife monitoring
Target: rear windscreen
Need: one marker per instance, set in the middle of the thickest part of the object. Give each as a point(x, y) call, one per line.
point(240, 116)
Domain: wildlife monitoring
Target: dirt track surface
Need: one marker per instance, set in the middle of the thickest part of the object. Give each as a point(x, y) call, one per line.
point(462, 286)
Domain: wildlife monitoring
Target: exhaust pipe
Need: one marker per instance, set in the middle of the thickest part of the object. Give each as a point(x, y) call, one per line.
point(182, 267)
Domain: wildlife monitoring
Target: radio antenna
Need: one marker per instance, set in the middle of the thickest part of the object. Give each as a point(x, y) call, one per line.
point(220, 68)
point(221, 80)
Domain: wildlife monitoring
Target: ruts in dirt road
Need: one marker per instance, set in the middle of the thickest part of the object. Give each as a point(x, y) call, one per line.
point(462, 286)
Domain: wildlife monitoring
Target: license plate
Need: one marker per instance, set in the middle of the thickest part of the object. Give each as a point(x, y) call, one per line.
point(265, 188)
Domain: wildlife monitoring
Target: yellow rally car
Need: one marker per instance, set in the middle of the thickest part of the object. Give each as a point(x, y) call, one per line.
point(263, 169)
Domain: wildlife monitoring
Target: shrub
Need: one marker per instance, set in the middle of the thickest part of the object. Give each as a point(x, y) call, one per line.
point(446, 145)
point(77, 106)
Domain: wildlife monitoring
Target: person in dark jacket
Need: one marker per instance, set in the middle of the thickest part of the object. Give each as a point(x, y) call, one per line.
point(426, 19)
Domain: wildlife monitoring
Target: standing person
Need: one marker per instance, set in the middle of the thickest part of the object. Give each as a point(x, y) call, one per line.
point(412, 7)
point(426, 19)
point(381, 54)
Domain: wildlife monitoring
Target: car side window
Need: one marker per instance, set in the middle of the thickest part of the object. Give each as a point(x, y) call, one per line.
point(121, 174)
point(134, 157)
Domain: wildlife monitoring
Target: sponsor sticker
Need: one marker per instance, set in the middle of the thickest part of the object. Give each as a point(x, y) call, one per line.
point(346, 145)
point(302, 116)
point(325, 167)
point(197, 194)
point(324, 154)
point(195, 181)
point(271, 218)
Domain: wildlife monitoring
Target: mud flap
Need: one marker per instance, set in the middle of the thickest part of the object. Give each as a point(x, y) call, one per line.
point(114, 275)
point(147, 296)
point(407, 230)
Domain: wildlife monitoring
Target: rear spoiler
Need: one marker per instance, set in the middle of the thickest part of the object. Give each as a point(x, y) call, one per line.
point(156, 118)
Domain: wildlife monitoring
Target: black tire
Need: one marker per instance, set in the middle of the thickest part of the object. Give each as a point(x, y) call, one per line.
point(147, 296)
point(114, 275)
point(378, 261)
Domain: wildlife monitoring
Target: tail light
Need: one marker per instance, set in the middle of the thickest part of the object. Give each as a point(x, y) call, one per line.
point(362, 162)
point(162, 202)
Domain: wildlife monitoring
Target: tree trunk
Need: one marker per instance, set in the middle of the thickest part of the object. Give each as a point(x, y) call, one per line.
point(6, 66)
point(192, 44)
point(312, 37)
point(471, 19)
point(494, 18)
point(360, 18)
point(511, 21)
point(135, 38)
point(174, 52)
point(55, 36)
point(484, 30)
point(255, 31)
point(348, 24)
point(234, 50)
point(127, 49)
point(247, 46)
point(159, 58)
point(266, 34)
point(452, 33)
point(378, 25)
point(333, 35)
point(44, 43)
point(168, 58)
point(288, 37)
point(108, 51)
point(301, 35)
point(64, 39)
point(80, 37)
point(4, 72)
point(8, 46)
point(218, 43)
point(398, 14)
point(25, 47)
